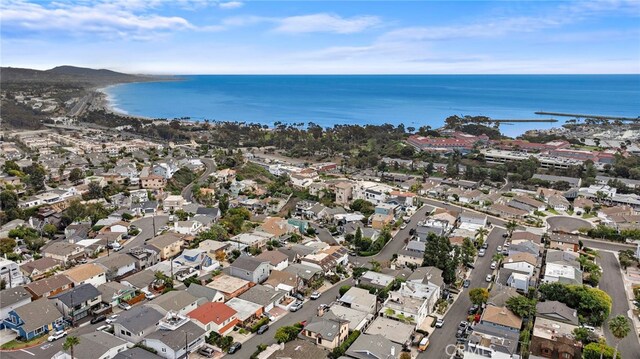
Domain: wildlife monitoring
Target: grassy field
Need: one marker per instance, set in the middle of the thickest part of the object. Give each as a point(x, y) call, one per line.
point(16, 344)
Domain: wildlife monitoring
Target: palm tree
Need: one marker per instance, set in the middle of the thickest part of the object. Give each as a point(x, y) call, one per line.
point(69, 343)
point(619, 326)
point(511, 226)
point(481, 232)
point(498, 257)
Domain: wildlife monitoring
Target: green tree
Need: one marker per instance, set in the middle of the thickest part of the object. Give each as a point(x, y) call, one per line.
point(620, 328)
point(479, 296)
point(10, 166)
point(599, 350)
point(522, 306)
point(37, 175)
point(344, 289)
point(70, 343)
point(511, 226)
point(287, 333)
point(8, 200)
point(363, 206)
point(76, 175)
point(468, 252)
point(49, 230)
point(94, 191)
point(215, 233)
point(7, 245)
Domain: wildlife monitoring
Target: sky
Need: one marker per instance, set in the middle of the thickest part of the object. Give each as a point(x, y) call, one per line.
point(321, 37)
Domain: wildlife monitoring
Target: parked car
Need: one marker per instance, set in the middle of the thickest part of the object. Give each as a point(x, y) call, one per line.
point(103, 327)
point(314, 295)
point(124, 306)
point(112, 318)
point(296, 306)
point(505, 235)
point(439, 323)
point(271, 317)
point(298, 296)
point(98, 319)
point(489, 277)
point(57, 335)
point(588, 327)
point(485, 245)
point(403, 226)
point(206, 352)
point(481, 252)
point(494, 265)
point(499, 249)
point(263, 329)
point(234, 348)
point(473, 310)
point(466, 283)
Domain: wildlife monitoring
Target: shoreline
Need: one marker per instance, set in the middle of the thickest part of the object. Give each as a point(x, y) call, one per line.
point(104, 101)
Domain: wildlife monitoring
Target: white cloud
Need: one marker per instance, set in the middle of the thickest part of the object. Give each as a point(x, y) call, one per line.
point(324, 22)
point(230, 5)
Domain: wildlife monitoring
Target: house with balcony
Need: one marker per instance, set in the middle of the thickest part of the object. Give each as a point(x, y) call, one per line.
point(188, 227)
point(175, 338)
point(40, 268)
point(196, 259)
point(264, 296)
point(145, 256)
point(179, 302)
point(359, 299)
point(34, 319)
point(327, 331)
point(10, 273)
point(119, 265)
point(136, 323)
point(63, 251)
point(552, 339)
point(91, 273)
point(114, 293)
point(79, 302)
point(169, 244)
point(411, 303)
point(50, 286)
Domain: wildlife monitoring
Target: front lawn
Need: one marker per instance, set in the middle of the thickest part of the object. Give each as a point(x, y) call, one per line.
point(19, 344)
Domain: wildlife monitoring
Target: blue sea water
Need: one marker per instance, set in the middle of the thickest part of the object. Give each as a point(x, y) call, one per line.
point(414, 100)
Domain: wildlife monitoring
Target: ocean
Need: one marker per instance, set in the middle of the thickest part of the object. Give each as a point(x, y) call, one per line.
point(413, 100)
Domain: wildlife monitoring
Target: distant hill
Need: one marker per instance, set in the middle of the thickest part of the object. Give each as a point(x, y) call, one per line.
point(70, 75)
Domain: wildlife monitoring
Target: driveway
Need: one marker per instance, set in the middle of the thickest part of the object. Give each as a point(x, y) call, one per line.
point(611, 282)
point(568, 224)
point(442, 341)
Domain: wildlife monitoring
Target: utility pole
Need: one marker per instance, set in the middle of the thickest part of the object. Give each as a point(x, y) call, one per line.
point(186, 344)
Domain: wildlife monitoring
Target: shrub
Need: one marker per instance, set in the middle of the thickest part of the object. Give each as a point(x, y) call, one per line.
point(254, 328)
point(339, 351)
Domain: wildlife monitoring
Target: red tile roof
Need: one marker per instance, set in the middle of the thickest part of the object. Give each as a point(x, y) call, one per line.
point(212, 312)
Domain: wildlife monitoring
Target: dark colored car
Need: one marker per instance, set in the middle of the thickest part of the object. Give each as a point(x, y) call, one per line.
point(98, 319)
point(262, 329)
point(466, 283)
point(473, 310)
point(298, 296)
point(206, 352)
point(234, 348)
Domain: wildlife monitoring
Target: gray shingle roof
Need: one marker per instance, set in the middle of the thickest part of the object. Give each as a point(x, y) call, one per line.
point(175, 339)
point(37, 314)
point(95, 344)
point(247, 263)
point(139, 318)
point(328, 326)
point(262, 295)
point(78, 295)
point(12, 296)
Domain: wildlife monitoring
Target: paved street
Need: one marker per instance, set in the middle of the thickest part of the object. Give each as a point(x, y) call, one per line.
point(309, 310)
point(442, 339)
point(210, 165)
point(612, 283)
point(457, 208)
point(566, 223)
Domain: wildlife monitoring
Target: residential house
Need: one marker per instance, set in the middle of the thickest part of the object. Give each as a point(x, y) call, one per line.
point(552, 339)
point(562, 273)
point(507, 211)
point(10, 273)
point(527, 204)
point(523, 246)
point(327, 259)
point(277, 260)
point(91, 273)
point(500, 294)
point(359, 299)
point(214, 317)
point(177, 342)
point(180, 302)
point(188, 227)
point(137, 353)
point(136, 323)
point(256, 239)
point(277, 227)
point(250, 268)
point(144, 256)
point(523, 262)
point(246, 311)
point(299, 349)
point(284, 281)
point(412, 302)
point(514, 278)
point(34, 319)
point(173, 203)
point(78, 302)
point(169, 244)
point(140, 280)
point(557, 311)
point(63, 251)
point(413, 254)
point(196, 259)
point(114, 293)
point(209, 294)
point(486, 342)
point(373, 347)
point(394, 330)
point(229, 286)
point(581, 204)
point(472, 220)
point(358, 320)
point(47, 287)
point(328, 331)
point(564, 242)
point(95, 345)
point(12, 298)
point(265, 296)
point(307, 274)
point(344, 193)
point(380, 221)
point(119, 265)
point(376, 280)
point(40, 268)
point(558, 203)
point(517, 236)
point(501, 318)
point(427, 275)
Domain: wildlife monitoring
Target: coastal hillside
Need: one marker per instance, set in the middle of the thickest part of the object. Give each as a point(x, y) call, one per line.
point(69, 75)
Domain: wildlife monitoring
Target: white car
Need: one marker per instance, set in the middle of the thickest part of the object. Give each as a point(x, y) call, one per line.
point(439, 323)
point(499, 249)
point(403, 226)
point(494, 264)
point(103, 328)
point(124, 306)
point(481, 252)
point(57, 335)
point(112, 318)
point(314, 295)
point(489, 277)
